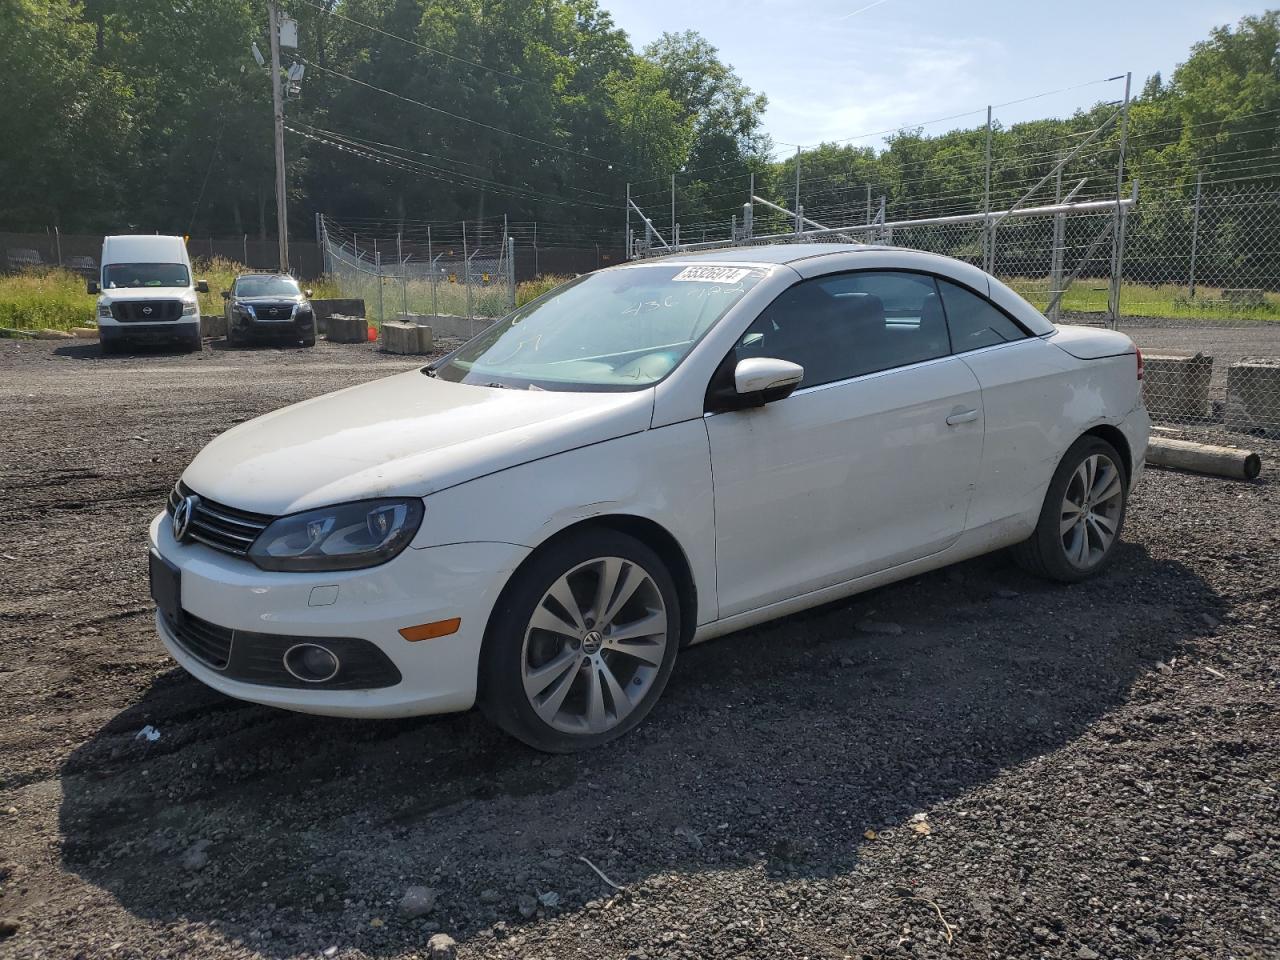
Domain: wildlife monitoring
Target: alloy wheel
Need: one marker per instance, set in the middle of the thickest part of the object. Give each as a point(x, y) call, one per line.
point(594, 646)
point(1091, 509)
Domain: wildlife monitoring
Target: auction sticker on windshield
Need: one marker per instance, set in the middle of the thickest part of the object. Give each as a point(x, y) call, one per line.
point(712, 274)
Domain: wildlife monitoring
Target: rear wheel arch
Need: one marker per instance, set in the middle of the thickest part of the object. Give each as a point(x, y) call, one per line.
point(1115, 436)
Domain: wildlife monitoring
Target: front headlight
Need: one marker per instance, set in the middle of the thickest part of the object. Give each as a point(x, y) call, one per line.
point(247, 310)
point(343, 537)
point(190, 308)
point(104, 310)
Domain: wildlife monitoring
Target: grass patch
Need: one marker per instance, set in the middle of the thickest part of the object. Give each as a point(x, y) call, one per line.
point(55, 299)
point(532, 289)
point(1151, 300)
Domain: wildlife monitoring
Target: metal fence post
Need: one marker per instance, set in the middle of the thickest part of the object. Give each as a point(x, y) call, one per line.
point(1056, 253)
point(431, 273)
point(627, 235)
point(377, 262)
point(511, 270)
point(796, 206)
point(1195, 235)
point(404, 286)
point(987, 246)
point(1117, 236)
point(466, 270)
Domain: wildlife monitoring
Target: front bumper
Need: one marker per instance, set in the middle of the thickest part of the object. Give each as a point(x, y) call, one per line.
point(169, 330)
point(293, 328)
point(418, 586)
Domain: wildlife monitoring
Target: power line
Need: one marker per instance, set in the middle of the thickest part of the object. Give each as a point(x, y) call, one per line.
point(458, 116)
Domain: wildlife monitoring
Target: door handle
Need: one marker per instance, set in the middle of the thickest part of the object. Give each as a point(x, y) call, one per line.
point(963, 416)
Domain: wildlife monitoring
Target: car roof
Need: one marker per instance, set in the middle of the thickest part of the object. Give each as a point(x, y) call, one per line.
point(266, 276)
point(765, 253)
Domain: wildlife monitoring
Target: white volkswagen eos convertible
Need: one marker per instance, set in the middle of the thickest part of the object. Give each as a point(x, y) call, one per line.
point(648, 456)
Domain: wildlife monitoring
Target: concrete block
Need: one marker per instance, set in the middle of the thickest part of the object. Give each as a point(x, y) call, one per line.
point(344, 329)
point(1253, 396)
point(406, 338)
point(1176, 387)
point(324, 309)
point(213, 325)
point(456, 328)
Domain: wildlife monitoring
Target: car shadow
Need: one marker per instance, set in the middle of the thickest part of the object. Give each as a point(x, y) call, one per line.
point(777, 748)
point(92, 350)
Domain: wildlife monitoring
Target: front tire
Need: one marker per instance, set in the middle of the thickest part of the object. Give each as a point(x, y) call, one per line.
point(581, 643)
point(1082, 517)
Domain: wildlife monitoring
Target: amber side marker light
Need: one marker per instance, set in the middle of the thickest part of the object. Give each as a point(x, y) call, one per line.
point(429, 631)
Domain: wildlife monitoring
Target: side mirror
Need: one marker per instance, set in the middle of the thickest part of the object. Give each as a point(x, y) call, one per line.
point(307, 293)
point(761, 380)
point(226, 294)
point(92, 287)
point(202, 286)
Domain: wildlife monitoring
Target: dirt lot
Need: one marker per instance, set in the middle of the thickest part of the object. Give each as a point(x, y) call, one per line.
point(1025, 770)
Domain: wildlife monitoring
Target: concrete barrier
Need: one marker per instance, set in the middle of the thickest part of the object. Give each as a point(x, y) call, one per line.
point(1253, 396)
point(344, 329)
point(1176, 387)
point(458, 328)
point(213, 325)
point(406, 338)
point(324, 309)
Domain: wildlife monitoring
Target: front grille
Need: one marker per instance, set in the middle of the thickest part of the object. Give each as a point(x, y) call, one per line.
point(259, 657)
point(146, 311)
point(274, 311)
point(221, 527)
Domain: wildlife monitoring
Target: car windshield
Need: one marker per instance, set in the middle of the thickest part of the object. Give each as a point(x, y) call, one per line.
point(267, 287)
point(147, 275)
point(619, 329)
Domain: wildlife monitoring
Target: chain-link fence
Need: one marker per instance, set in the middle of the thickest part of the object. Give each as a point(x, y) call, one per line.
point(460, 269)
point(1194, 280)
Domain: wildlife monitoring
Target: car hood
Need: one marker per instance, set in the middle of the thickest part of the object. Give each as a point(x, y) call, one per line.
point(407, 435)
point(146, 293)
point(282, 298)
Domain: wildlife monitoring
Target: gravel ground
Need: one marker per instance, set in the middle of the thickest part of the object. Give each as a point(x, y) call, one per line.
point(1022, 769)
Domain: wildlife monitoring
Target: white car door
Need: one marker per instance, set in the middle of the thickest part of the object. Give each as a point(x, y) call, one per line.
point(871, 462)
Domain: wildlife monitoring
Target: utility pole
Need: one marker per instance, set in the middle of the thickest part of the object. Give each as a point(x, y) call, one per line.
point(277, 106)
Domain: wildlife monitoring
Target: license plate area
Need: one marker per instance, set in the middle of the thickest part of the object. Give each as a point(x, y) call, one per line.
point(166, 587)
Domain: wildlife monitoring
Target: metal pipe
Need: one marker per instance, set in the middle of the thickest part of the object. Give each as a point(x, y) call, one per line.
point(648, 223)
point(626, 237)
point(1091, 206)
point(800, 218)
point(431, 263)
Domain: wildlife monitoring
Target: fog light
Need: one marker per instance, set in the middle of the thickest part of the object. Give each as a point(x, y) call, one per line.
point(311, 663)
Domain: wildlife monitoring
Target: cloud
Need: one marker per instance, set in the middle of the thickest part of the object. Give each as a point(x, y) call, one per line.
point(884, 81)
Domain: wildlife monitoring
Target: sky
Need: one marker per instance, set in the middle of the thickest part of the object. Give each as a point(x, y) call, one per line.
point(844, 69)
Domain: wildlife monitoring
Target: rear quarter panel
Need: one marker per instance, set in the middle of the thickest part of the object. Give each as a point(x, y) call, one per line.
point(1038, 400)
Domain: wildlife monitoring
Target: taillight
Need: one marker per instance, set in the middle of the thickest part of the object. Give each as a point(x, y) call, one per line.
point(1138, 350)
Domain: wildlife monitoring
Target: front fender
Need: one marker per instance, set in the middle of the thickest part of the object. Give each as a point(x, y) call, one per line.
point(662, 475)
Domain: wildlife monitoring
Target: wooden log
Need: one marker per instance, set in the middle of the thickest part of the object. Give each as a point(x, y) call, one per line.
point(1204, 458)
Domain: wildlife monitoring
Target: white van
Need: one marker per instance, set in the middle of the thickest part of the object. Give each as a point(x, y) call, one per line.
point(146, 293)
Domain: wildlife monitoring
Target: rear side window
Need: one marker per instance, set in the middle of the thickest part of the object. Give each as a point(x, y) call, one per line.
point(974, 321)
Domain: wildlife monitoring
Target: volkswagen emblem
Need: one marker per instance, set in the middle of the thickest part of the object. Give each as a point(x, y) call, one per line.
point(182, 516)
point(146, 311)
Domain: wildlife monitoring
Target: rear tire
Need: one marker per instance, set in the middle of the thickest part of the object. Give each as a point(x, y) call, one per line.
point(581, 643)
point(1082, 517)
